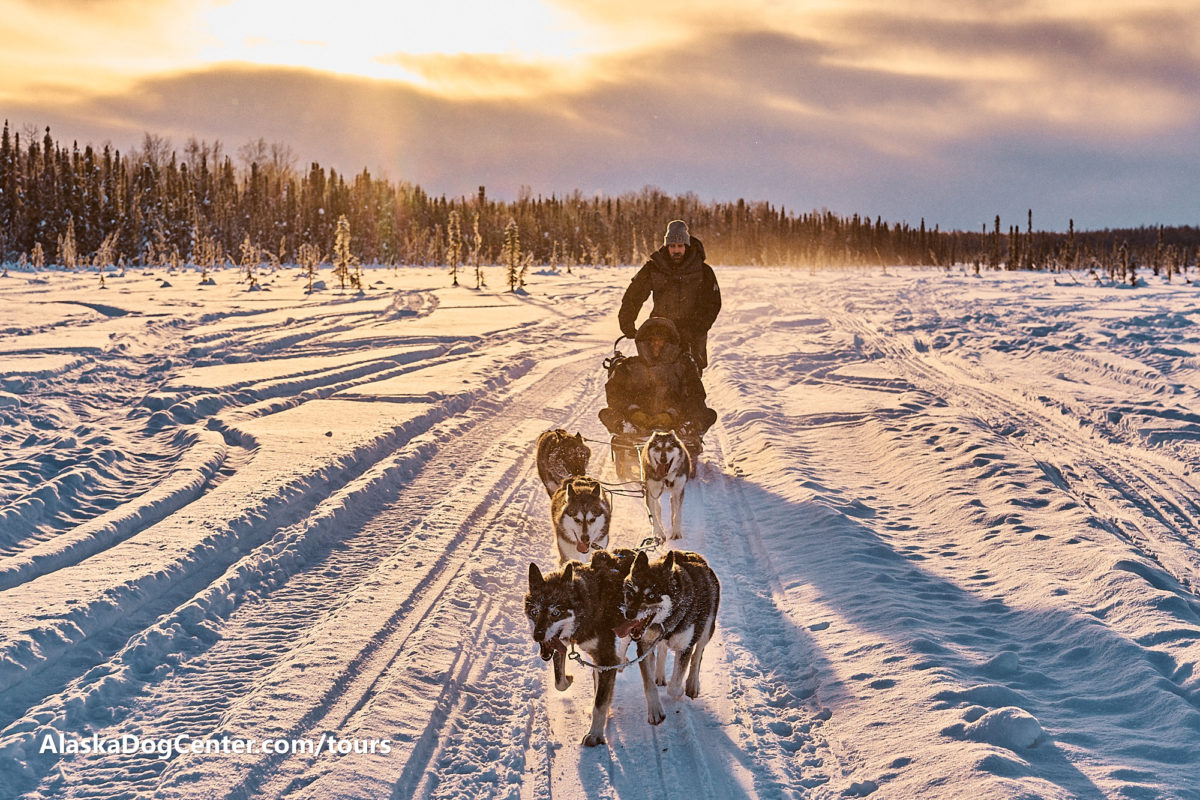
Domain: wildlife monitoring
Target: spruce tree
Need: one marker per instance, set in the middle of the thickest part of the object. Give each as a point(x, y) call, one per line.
point(249, 252)
point(477, 249)
point(67, 255)
point(454, 244)
point(343, 259)
point(512, 254)
point(310, 258)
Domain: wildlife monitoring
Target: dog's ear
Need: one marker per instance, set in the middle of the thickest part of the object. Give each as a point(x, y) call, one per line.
point(641, 563)
point(569, 572)
point(669, 563)
point(570, 486)
point(535, 576)
point(579, 436)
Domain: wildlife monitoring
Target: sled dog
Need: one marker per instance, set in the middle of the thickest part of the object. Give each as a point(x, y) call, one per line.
point(666, 465)
point(559, 456)
point(581, 604)
point(671, 602)
point(581, 511)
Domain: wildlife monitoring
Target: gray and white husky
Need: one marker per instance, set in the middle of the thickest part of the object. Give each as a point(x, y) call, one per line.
point(581, 604)
point(671, 603)
point(666, 465)
point(559, 456)
point(581, 511)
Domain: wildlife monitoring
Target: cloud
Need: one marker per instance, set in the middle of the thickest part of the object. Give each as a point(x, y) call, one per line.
point(484, 74)
point(75, 47)
point(1134, 71)
point(954, 117)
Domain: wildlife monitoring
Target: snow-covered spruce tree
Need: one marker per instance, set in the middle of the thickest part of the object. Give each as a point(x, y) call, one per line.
point(277, 259)
point(37, 258)
point(526, 263)
point(343, 259)
point(454, 244)
point(249, 260)
point(310, 258)
point(68, 256)
point(477, 252)
point(511, 254)
point(207, 255)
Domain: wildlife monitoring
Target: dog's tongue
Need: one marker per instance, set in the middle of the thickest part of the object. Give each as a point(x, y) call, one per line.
point(627, 627)
point(581, 547)
point(660, 470)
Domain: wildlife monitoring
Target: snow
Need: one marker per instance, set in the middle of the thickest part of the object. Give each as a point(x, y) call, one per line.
point(954, 517)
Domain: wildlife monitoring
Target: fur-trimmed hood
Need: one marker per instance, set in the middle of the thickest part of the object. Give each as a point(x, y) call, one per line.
point(658, 327)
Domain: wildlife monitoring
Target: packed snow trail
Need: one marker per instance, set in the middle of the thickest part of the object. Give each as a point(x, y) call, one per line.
point(955, 521)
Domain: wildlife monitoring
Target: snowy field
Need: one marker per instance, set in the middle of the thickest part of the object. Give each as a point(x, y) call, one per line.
point(956, 521)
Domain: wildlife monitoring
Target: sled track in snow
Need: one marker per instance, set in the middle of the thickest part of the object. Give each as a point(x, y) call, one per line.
point(428, 519)
point(197, 719)
point(698, 751)
point(1136, 498)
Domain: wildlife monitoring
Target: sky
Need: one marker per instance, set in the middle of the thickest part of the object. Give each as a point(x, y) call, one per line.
point(951, 111)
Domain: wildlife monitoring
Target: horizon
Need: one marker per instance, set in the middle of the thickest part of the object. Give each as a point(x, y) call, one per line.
point(895, 111)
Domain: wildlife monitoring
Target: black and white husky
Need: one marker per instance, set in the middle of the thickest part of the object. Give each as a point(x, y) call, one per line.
point(671, 603)
point(581, 604)
point(666, 465)
point(559, 456)
point(581, 511)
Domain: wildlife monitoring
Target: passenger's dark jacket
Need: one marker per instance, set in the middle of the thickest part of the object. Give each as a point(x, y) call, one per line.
point(669, 384)
point(687, 294)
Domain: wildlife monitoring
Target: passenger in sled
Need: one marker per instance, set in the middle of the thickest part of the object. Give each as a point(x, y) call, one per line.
point(658, 389)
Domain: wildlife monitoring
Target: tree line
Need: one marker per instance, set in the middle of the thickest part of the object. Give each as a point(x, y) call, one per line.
point(76, 207)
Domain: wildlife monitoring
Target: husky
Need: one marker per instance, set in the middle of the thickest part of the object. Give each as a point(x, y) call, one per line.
point(666, 465)
point(671, 603)
point(581, 511)
point(559, 456)
point(581, 604)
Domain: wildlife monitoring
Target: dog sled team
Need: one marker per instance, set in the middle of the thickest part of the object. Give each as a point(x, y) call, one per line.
point(602, 600)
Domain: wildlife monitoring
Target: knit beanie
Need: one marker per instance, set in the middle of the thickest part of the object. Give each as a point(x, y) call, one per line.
point(677, 233)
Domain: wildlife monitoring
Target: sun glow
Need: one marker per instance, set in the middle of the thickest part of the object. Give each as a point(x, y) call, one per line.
point(374, 39)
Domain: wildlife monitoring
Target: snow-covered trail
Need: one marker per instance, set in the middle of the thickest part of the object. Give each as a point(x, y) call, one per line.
point(954, 520)
point(968, 522)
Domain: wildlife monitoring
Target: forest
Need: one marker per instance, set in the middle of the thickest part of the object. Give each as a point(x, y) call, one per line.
point(82, 207)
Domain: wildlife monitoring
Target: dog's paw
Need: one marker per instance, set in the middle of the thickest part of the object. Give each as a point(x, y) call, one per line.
point(693, 689)
point(565, 683)
point(656, 716)
point(593, 739)
point(660, 680)
point(675, 691)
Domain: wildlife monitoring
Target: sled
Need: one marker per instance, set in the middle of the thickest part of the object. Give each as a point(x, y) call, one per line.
point(625, 449)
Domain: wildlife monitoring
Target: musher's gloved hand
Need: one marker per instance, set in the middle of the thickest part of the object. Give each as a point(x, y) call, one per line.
point(663, 421)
